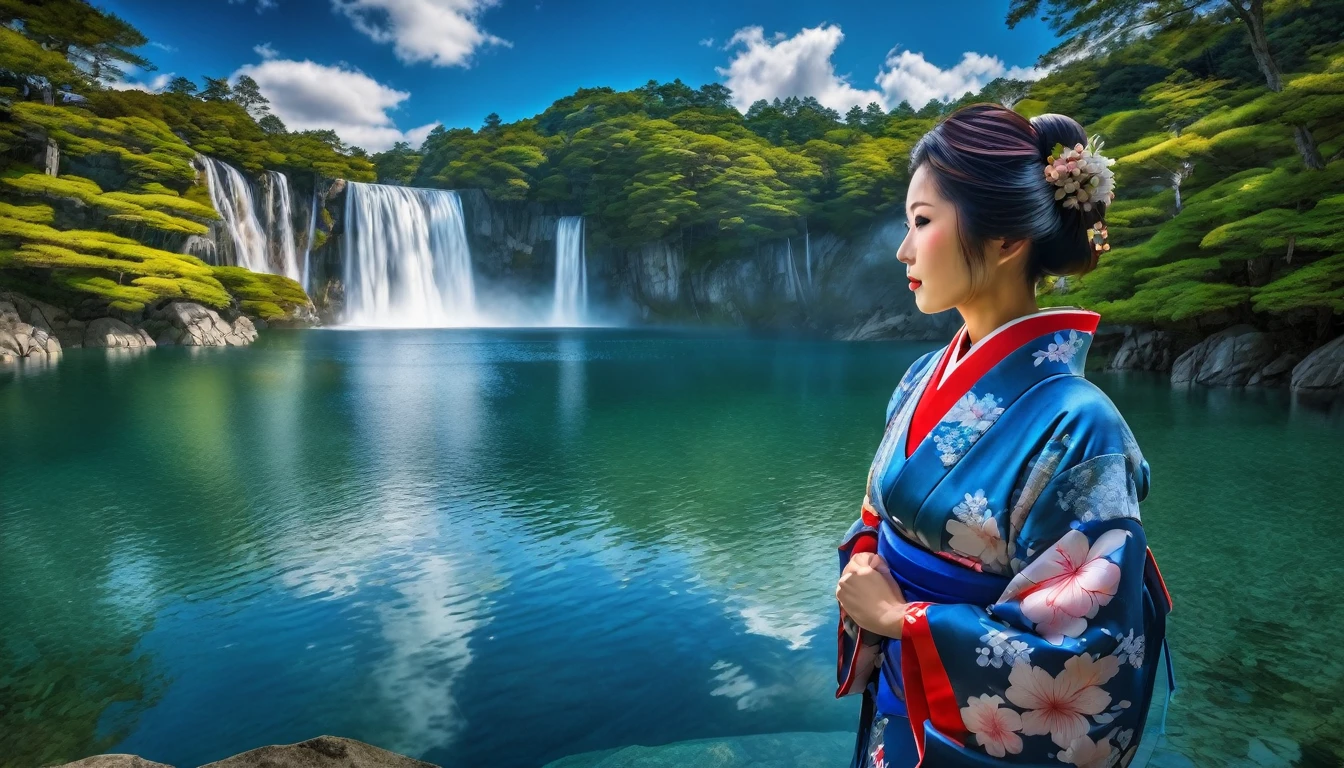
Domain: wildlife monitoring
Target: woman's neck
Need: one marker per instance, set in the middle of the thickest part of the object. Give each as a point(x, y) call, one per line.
point(982, 318)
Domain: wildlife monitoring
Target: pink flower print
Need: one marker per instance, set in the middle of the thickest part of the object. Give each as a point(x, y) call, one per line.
point(995, 727)
point(1085, 753)
point(1059, 705)
point(1066, 585)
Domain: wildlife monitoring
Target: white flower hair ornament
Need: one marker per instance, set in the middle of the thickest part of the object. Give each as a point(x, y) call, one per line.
point(1081, 175)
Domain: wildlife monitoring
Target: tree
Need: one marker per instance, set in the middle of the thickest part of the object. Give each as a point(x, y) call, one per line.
point(271, 124)
point(491, 122)
point(247, 94)
point(97, 41)
point(1005, 91)
point(902, 110)
point(182, 86)
point(933, 109)
point(854, 117)
point(1104, 26)
point(397, 165)
point(217, 89)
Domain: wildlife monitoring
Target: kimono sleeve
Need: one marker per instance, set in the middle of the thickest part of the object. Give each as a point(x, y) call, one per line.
point(1053, 672)
point(857, 648)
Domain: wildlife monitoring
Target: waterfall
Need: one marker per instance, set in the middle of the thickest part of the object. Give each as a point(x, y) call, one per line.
point(791, 281)
point(308, 245)
point(232, 197)
point(807, 251)
point(571, 273)
point(407, 264)
point(280, 225)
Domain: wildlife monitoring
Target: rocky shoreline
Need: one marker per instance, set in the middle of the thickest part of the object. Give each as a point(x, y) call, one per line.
point(1235, 357)
point(321, 752)
point(31, 329)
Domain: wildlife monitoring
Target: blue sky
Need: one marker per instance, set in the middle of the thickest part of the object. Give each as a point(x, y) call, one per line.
point(379, 71)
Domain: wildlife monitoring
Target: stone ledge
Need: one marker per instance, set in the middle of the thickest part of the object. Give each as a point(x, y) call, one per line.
point(321, 752)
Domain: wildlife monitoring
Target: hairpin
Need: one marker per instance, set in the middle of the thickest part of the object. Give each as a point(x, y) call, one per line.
point(1081, 175)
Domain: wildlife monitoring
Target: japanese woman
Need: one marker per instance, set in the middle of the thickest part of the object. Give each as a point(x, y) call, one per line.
point(999, 604)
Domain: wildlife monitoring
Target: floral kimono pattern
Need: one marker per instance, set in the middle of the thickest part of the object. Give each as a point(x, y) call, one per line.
point(1028, 489)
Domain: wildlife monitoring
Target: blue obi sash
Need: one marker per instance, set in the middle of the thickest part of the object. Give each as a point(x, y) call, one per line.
point(927, 578)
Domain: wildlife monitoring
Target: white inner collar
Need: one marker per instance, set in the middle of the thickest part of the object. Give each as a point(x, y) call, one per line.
point(957, 359)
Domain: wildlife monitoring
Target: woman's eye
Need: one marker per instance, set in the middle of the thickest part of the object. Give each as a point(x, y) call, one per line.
point(921, 221)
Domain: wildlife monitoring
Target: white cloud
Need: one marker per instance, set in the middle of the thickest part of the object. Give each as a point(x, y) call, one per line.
point(791, 66)
point(443, 32)
point(801, 65)
point(265, 51)
point(909, 77)
point(708, 42)
point(310, 96)
point(158, 83)
point(163, 47)
point(262, 5)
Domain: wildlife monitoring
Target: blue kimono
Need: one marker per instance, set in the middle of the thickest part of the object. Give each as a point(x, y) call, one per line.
point(1036, 611)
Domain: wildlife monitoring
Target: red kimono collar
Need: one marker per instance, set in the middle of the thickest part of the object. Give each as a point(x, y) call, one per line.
point(957, 373)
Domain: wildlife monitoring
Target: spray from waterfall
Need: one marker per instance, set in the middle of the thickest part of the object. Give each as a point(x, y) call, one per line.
point(232, 197)
point(571, 273)
point(280, 225)
point(407, 263)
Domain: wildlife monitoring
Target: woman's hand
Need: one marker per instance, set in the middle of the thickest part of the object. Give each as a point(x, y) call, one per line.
point(870, 596)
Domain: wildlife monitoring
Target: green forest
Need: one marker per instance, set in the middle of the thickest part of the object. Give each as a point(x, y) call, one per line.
point(1225, 117)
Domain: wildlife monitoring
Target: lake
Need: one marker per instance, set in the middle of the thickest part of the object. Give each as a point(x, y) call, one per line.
point(505, 547)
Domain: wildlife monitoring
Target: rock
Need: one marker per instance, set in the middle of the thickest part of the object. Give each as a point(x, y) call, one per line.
point(321, 752)
point(114, 761)
point(1322, 370)
point(19, 340)
point(876, 327)
point(1277, 373)
point(191, 325)
point(114, 334)
point(1143, 350)
point(1229, 358)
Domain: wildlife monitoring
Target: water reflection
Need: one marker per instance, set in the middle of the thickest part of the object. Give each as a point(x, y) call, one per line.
point(409, 538)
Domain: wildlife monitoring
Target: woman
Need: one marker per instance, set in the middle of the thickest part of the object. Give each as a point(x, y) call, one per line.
point(999, 604)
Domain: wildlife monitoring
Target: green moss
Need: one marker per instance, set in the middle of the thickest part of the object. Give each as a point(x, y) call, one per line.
point(33, 214)
point(146, 148)
point(263, 309)
point(125, 207)
point(167, 203)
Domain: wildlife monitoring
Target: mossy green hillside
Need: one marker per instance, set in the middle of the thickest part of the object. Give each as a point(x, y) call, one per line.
point(156, 210)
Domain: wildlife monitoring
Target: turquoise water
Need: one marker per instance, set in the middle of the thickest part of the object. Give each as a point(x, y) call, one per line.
point(507, 547)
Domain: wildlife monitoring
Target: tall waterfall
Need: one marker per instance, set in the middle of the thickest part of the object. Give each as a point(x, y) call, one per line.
point(571, 273)
point(306, 279)
point(793, 285)
point(280, 225)
point(232, 196)
point(407, 264)
point(807, 253)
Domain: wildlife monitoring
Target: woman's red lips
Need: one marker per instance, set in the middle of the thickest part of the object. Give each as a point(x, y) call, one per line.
point(915, 283)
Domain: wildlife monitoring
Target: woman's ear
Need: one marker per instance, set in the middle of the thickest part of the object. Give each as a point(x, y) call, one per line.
point(1007, 250)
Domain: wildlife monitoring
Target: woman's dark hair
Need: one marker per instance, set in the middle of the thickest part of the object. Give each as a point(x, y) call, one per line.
point(989, 162)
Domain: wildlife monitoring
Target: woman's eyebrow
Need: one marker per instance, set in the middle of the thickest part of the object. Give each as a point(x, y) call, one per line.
point(918, 203)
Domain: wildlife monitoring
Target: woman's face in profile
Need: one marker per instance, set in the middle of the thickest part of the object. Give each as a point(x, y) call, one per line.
point(931, 251)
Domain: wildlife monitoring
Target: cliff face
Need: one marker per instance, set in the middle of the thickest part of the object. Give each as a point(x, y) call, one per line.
point(821, 283)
